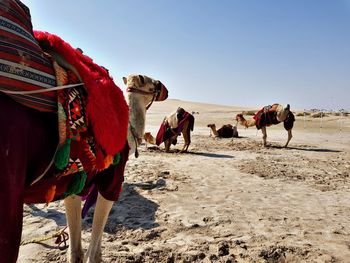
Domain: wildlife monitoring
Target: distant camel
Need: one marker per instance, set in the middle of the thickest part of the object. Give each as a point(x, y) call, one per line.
point(226, 131)
point(270, 115)
point(179, 122)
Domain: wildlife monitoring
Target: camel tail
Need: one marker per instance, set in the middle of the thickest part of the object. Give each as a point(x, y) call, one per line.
point(191, 124)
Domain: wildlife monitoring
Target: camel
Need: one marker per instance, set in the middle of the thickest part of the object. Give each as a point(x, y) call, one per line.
point(226, 131)
point(32, 126)
point(172, 126)
point(270, 115)
point(142, 91)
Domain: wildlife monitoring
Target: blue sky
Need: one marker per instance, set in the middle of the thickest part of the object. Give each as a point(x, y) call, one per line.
point(231, 52)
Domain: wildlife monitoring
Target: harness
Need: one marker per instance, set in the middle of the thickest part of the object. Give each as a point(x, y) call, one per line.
point(155, 93)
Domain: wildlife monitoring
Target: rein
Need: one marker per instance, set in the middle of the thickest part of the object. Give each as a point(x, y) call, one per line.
point(133, 133)
point(154, 93)
point(25, 92)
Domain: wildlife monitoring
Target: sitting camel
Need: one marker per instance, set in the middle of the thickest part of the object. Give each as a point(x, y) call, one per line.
point(226, 131)
point(270, 115)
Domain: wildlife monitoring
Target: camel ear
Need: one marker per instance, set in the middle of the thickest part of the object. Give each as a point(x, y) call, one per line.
point(125, 80)
point(142, 80)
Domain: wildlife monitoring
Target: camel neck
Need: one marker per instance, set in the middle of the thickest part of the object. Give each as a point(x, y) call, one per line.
point(137, 116)
point(248, 123)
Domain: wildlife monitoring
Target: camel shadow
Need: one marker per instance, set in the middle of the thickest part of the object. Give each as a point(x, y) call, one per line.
point(132, 210)
point(177, 151)
point(58, 217)
point(305, 149)
point(211, 155)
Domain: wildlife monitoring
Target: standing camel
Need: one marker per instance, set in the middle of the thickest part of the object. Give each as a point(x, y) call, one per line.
point(172, 126)
point(270, 115)
point(142, 91)
point(90, 125)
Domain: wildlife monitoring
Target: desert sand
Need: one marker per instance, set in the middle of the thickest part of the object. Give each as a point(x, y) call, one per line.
point(227, 200)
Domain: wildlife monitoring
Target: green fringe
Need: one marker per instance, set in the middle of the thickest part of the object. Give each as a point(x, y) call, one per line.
point(77, 184)
point(116, 159)
point(62, 155)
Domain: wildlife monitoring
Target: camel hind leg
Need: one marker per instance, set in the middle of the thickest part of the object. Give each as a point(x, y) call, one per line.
point(186, 133)
point(263, 130)
point(102, 209)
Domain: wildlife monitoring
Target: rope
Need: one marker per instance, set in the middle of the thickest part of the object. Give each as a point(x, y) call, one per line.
point(40, 90)
point(61, 239)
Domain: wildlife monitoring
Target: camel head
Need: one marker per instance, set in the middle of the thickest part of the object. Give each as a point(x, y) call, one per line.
point(239, 117)
point(149, 89)
point(211, 125)
point(149, 138)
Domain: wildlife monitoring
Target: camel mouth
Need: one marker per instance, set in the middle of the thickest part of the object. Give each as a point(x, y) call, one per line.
point(162, 92)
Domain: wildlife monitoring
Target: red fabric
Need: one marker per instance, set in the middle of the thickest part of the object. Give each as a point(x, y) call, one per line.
point(31, 139)
point(161, 133)
point(106, 107)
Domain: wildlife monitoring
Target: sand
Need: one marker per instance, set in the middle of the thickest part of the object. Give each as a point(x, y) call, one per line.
point(227, 200)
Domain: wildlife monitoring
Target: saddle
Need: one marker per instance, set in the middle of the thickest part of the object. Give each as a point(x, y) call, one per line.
point(271, 114)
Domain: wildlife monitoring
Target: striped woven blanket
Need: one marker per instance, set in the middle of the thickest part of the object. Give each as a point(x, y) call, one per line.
point(23, 64)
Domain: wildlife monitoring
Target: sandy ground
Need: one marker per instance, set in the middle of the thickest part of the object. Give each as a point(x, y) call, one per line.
point(224, 201)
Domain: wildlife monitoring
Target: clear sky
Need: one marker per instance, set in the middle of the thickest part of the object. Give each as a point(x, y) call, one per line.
point(231, 52)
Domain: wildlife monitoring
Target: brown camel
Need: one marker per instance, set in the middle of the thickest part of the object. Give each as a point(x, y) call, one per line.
point(226, 131)
point(270, 115)
point(172, 126)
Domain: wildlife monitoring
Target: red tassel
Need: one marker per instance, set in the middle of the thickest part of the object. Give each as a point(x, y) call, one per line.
point(50, 194)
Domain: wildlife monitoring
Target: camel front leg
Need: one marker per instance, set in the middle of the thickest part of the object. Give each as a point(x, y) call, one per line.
point(213, 131)
point(186, 133)
point(289, 137)
point(73, 215)
point(102, 209)
point(263, 130)
point(167, 144)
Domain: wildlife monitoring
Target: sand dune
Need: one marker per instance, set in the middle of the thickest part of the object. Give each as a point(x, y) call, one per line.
point(224, 201)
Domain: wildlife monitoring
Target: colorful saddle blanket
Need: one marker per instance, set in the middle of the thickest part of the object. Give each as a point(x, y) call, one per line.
point(266, 117)
point(23, 64)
